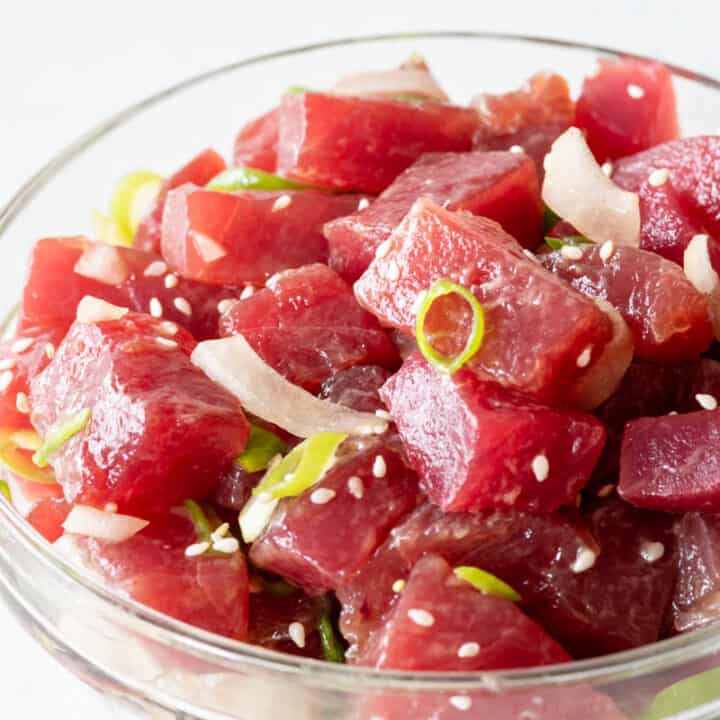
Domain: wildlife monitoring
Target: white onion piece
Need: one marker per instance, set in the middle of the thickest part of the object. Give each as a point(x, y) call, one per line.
point(91, 309)
point(698, 268)
point(207, 248)
point(102, 263)
point(390, 83)
point(255, 517)
point(263, 392)
point(86, 520)
point(578, 190)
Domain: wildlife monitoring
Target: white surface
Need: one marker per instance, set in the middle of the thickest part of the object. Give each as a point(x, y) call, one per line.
point(66, 65)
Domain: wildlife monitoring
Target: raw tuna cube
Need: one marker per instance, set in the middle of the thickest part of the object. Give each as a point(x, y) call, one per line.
point(208, 591)
point(318, 539)
point(668, 317)
point(478, 446)
point(307, 324)
point(672, 462)
point(357, 388)
point(497, 185)
point(47, 517)
point(685, 204)
point(160, 430)
point(256, 143)
point(200, 171)
point(538, 331)
point(437, 613)
point(233, 489)
point(363, 144)
point(128, 277)
point(245, 237)
point(626, 107)
point(531, 118)
point(697, 592)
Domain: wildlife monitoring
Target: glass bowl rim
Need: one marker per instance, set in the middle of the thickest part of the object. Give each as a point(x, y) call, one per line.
point(629, 663)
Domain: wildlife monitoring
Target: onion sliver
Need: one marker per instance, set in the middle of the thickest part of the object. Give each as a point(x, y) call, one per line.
point(698, 267)
point(263, 392)
point(103, 263)
point(579, 191)
point(411, 83)
point(85, 520)
point(91, 309)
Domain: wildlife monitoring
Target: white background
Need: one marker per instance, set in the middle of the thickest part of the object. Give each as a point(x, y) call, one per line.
point(66, 64)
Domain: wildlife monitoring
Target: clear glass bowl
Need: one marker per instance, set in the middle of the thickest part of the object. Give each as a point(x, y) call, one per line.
point(151, 666)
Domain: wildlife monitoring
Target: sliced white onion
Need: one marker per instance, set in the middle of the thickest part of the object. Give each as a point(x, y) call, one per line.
point(576, 188)
point(232, 363)
point(255, 516)
point(91, 309)
point(85, 520)
point(413, 82)
point(103, 263)
point(207, 248)
point(697, 265)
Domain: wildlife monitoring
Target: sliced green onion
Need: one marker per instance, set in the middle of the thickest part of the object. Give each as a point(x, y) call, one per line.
point(106, 230)
point(296, 90)
point(332, 649)
point(557, 243)
point(133, 197)
point(262, 446)
point(486, 583)
point(686, 695)
point(248, 178)
point(444, 363)
point(550, 219)
point(57, 438)
point(5, 490)
point(199, 521)
point(20, 464)
point(302, 467)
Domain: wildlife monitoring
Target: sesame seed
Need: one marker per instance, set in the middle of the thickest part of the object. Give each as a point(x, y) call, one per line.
point(421, 617)
point(183, 306)
point(355, 487)
point(605, 490)
point(220, 532)
point(706, 401)
point(296, 631)
point(607, 168)
point(606, 250)
point(155, 269)
point(247, 291)
point(382, 249)
point(393, 271)
point(22, 404)
point(164, 342)
point(659, 177)
point(196, 549)
point(364, 202)
point(584, 560)
point(7, 364)
point(224, 305)
point(673, 412)
point(171, 280)
point(540, 467)
point(322, 496)
point(652, 551)
point(571, 252)
point(398, 586)
point(21, 345)
point(5, 379)
point(635, 91)
point(169, 328)
point(461, 702)
point(379, 467)
point(281, 203)
point(583, 359)
point(49, 351)
point(228, 545)
point(383, 414)
point(156, 309)
point(530, 255)
point(518, 149)
point(468, 650)
point(111, 507)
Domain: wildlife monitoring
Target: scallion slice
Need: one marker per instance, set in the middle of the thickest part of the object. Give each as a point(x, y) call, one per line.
point(13, 459)
point(199, 521)
point(248, 178)
point(486, 583)
point(5, 490)
point(58, 437)
point(134, 195)
point(331, 648)
point(557, 243)
point(550, 218)
point(296, 90)
point(444, 363)
point(262, 446)
point(302, 467)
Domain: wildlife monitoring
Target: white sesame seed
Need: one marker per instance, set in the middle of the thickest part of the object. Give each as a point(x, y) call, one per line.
point(584, 560)
point(183, 306)
point(228, 545)
point(111, 507)
point(518, 149)
point(659, 177)
point(706, 401)
point(461, 702)
point(169, 328)
point(171, 280)
point(571, 252)
point(21, 345)
point(652, 551)
point(296, 631)
point(606, 250)
point(607, 168)
point(383, 414)
point(22, 404)
point(166, 343)
point(155, 269)
point(392, 272)
point(7, 364)
point(540, 467)
point(421, 617)
point(530, 255)
point(247, 291)
point(673, 412)
point(379, 467)
point(364, 202)
point(382, 249)
point(605, 490)
point(224, 305)
point(322, 496)
point(355, 487)
point(635, 91)
point(156, 308)
point(281, 203)
point(583, 359)
point(196, 549)
point(398, 586)
point(468, 649)
point(5, 379)
point(220, 532)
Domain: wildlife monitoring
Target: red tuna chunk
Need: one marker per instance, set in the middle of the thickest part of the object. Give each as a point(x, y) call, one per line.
point(363, 144)
point(256, 143)
point(319, 545)
point(357, 388)
point(536, 326)
point(307, 324)
point(200, 171)
point(48, 515)
point(160, 431)
point(687, 204)
point(437, 613)
point(668, 317)
point(478, 446)
point(672, 462)
point(501, 186)
point(54, 287)
point(626, 107)
point(208, 591)
point(236, 238)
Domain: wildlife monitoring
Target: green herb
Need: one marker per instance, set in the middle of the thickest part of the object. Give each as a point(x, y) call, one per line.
point(557, 243)
point(296, 90)
point(332, 649)
point(486, 583)
point(687, 695)
point(5, 490)
point(550, 219)
point(133, 196)
point(57, 438)
point(444, 363)
point(248, 178)
point(199, 521)
point(262, 446)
